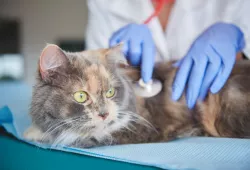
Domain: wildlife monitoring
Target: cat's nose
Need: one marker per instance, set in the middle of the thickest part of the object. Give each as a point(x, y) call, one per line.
point(103, 115)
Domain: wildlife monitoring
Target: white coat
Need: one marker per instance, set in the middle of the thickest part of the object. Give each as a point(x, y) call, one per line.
point(188, 19)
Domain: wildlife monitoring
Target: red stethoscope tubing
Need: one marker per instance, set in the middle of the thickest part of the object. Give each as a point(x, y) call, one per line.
point(157, 10)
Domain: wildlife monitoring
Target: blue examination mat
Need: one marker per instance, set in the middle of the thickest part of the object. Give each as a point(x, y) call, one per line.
point(201, 153)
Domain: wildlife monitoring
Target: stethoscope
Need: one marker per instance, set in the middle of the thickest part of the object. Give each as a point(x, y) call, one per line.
point(154, 86)
point(159, 6)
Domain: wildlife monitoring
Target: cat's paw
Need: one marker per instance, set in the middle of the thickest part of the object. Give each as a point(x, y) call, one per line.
point(33, 133)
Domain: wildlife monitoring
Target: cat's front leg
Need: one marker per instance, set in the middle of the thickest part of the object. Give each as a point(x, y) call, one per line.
point(34, 133)
point(86, 143)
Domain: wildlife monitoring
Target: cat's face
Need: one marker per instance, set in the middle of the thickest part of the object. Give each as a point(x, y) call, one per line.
point(86, 91)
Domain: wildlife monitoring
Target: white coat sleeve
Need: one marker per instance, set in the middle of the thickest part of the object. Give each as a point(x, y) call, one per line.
point(97, 31)
point(242, 19)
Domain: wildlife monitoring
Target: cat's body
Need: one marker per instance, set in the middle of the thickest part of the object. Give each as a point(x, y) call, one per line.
point(57, 119)
point(226, 114)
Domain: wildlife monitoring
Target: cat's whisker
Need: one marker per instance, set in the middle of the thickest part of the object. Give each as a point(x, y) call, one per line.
point(62, 121)
point(127, 127)
point(142, 120)
point(58, 139)
point(55, 127)
point(63, 137)
point(46, 133)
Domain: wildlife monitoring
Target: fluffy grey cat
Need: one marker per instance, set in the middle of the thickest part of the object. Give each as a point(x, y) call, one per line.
point(85, 99)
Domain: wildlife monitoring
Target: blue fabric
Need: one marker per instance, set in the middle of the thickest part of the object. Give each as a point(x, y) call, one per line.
point(184, 154)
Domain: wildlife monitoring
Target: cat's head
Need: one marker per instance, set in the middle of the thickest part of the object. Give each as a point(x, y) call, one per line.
point(84, 93)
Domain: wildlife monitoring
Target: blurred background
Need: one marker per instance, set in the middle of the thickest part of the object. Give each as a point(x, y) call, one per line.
point(26, 26)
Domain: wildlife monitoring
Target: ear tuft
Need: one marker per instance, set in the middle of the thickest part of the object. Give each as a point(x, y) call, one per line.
point(52, 57)
point(115, 53)
point(117, 47)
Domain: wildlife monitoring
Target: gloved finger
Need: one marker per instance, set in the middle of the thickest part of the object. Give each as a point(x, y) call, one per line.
point(135, 52)
point(181, 78)
point(195, 80)
point(116, 37)
point(227, 66)
point(212, 70)
point(147, 61)
point(240, 37)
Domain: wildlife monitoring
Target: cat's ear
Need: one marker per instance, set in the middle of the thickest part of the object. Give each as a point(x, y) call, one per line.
point(52, 59)
point(133, 73)
point(115, 53)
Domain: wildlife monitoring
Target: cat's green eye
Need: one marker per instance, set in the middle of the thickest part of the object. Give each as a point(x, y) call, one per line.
point(110, 93)
point(80, 96)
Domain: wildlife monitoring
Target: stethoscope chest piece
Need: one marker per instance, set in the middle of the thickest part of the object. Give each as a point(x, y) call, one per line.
point(150, 89)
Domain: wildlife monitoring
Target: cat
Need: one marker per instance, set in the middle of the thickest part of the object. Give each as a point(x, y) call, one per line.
point(86, 99)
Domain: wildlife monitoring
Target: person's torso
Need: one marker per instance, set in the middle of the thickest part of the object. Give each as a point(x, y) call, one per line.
point(186, 21)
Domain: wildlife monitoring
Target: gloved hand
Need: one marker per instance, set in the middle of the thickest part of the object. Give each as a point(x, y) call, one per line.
point(138, 47)
point(208, 63)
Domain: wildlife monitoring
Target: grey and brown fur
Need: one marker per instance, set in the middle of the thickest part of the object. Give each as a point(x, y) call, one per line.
point(58, 119)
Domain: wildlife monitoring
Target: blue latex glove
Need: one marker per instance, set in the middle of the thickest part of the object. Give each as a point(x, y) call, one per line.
point(138, 47)
point(208, 63)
